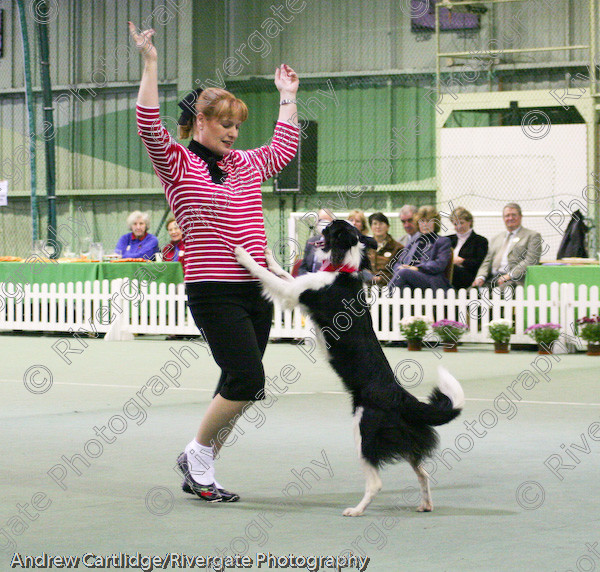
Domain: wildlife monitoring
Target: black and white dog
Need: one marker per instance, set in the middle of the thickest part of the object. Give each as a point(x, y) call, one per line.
point(390, 424)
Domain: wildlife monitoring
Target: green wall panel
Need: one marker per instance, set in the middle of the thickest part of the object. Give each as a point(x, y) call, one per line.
point(356, 136)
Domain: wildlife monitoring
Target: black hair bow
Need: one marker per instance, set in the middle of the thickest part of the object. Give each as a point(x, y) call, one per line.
point(188, 105)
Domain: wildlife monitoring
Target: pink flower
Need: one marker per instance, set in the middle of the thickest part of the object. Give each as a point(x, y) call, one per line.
point(450, 324)
point(548, 326)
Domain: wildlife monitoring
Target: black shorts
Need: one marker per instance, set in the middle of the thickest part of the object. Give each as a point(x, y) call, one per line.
point(235, 320)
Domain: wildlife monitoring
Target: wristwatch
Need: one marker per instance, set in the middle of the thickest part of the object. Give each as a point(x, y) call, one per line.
point(286, 101)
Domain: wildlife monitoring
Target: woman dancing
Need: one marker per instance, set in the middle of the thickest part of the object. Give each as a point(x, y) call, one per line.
point(214, 192)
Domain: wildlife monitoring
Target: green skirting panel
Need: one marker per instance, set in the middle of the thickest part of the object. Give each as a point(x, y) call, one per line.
point(588, 275)
point(52, 272)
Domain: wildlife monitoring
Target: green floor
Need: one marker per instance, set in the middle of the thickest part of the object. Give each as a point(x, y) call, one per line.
point(496, 505)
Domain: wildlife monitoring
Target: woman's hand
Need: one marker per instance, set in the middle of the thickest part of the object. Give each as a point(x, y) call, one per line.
point(286, 81)
point(409, 267)
point(458, 260)
point(143, 42)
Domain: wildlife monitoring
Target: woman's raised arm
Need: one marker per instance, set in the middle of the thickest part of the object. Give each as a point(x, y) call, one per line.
point(148, 94)
point(287, 83)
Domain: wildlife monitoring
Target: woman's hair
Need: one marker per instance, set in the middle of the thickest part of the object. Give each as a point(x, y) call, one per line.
point(215, 103)
point(461, 213)
point(379, 217)
point(429, 212)
point(169, 221)
point(360, 215)
point(138, 214)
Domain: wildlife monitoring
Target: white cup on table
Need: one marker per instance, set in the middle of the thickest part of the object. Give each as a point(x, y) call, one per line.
point(96, 251)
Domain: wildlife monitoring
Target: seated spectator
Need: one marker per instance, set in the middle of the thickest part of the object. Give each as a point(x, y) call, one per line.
point(309, 261)
point(510, 252)
point(175, 250)
point(138, 243)
point(383, 258)
point(469, 247)
point(359, 220)
point(424, 263)
point(408, 215)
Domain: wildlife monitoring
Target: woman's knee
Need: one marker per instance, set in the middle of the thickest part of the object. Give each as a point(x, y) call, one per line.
point(244, 384)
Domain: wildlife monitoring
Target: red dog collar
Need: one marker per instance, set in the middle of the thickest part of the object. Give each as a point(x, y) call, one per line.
point(328, 267)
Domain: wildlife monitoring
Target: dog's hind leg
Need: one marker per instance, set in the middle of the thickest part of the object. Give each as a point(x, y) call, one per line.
point(373, 482)
point(426, 503)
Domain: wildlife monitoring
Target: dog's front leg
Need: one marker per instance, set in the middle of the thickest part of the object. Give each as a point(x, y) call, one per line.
point(372, 487)
point(274, 267)
point(246, 260)
point(373, 482)
point(276, 288)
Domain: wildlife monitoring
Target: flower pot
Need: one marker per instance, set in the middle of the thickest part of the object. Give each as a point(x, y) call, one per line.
point(414, 345)
point(593, 349)
point(450, 346)
point(544, 350)
point(501, 347)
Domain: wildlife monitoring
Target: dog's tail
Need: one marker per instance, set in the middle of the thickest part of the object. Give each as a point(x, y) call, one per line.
point(445, 401)
point(449, 386)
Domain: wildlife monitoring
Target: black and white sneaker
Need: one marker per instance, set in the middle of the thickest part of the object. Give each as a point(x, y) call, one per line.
point(208, 493)
point(226, 496)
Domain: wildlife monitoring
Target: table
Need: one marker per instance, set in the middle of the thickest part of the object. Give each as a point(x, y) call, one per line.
point(54, 272)
point(588, 274)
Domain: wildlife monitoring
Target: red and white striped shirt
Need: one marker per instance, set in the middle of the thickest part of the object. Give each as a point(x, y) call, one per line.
point(216, 218)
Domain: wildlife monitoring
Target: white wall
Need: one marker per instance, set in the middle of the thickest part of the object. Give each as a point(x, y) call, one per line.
point(543, 168)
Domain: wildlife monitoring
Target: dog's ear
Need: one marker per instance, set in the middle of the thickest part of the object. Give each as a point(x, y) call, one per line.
point(368, 242)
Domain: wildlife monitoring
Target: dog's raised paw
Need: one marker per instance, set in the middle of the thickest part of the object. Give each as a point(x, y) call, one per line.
point(240, 253)
point(353, 511)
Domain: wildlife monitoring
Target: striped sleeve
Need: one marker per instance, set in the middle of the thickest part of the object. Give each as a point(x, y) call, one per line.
point(272, 158)
point(168, 157)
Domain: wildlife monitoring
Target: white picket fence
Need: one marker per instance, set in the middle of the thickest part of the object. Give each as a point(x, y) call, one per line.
point(122, 307)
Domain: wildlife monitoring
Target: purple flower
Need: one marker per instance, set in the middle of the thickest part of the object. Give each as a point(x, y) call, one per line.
point(548, 326)
point(587, 320)
point(544, 333)
point(450, 324)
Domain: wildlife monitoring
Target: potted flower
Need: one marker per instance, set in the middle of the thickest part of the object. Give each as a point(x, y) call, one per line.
point(414, 329)
point(544, 335)
point(449, 332)
point(500, 331)
point(589, 330)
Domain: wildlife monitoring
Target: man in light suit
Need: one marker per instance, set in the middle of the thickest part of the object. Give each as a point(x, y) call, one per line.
point(510, 252)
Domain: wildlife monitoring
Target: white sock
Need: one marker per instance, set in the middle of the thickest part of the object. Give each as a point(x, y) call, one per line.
point(201, 462)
